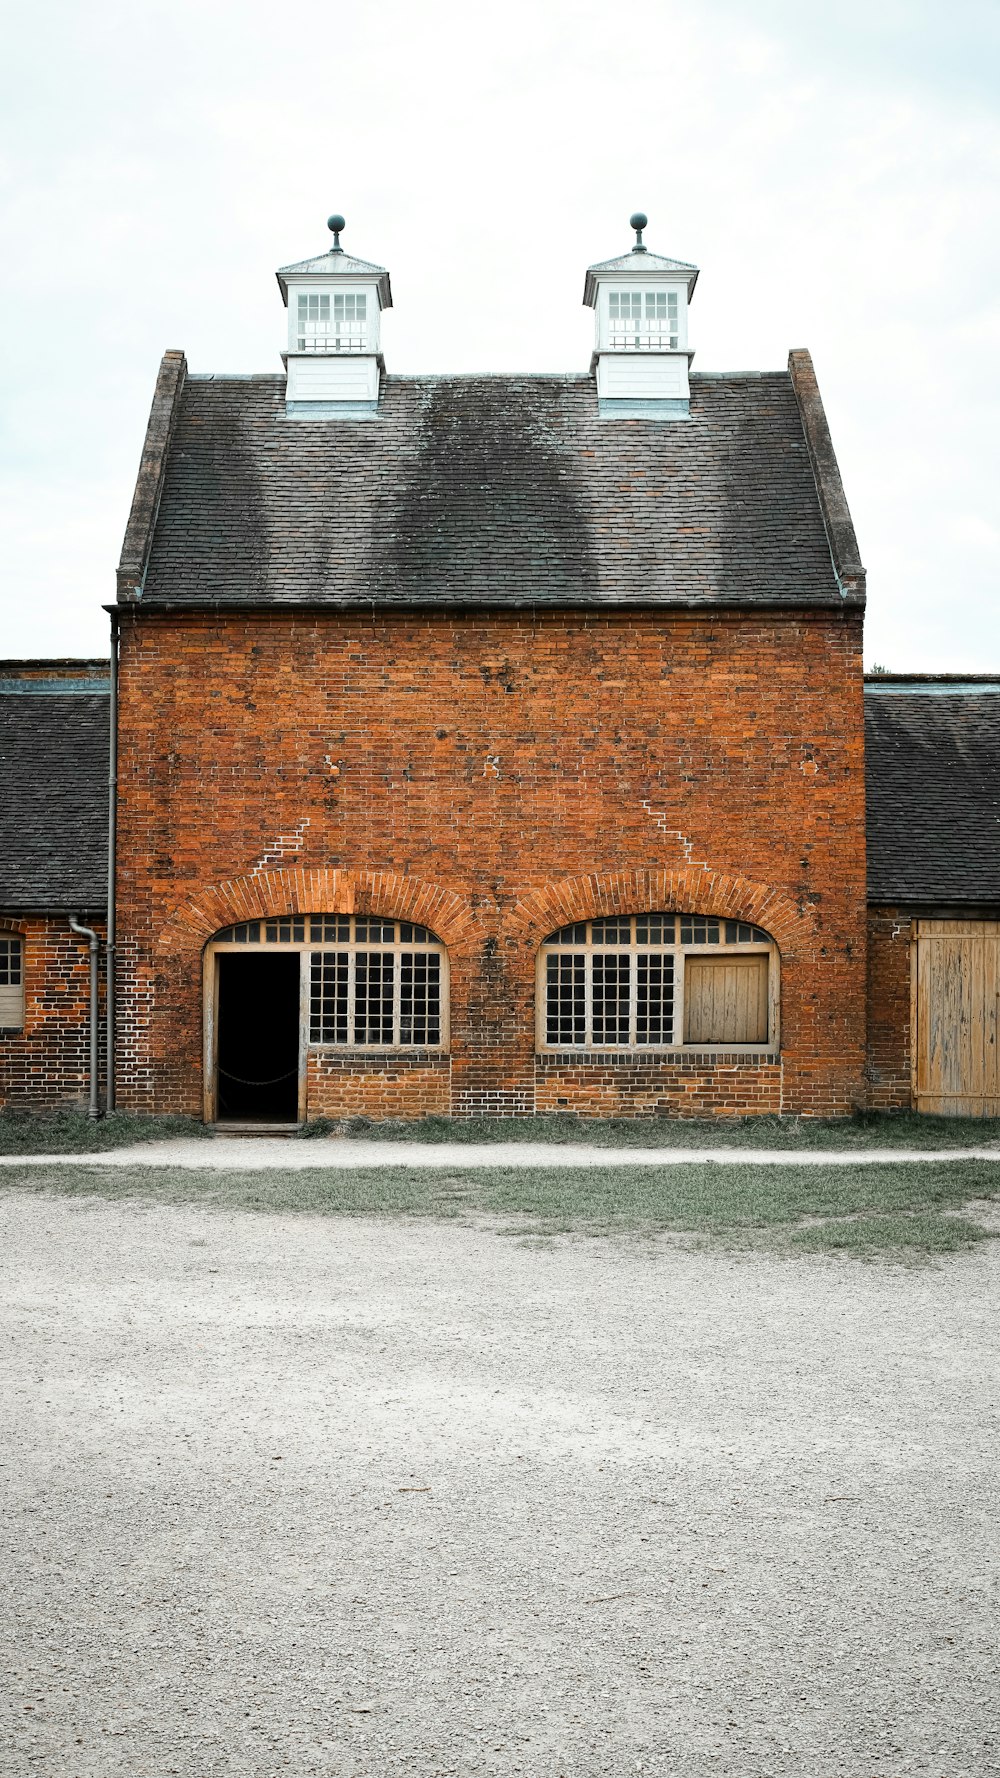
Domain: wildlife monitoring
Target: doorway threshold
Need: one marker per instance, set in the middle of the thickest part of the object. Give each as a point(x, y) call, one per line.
point(235, 1127)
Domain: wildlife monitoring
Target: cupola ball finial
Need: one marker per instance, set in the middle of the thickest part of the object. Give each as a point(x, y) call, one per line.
point(335, 224)
point(638, 221)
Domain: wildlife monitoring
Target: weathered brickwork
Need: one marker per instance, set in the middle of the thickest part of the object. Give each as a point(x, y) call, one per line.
point(889, 944)
point(716, 1085)
point(46, 1064)
point(494, 776)
point(409, 1086)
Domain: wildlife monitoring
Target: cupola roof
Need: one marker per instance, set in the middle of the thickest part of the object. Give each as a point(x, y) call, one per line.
point(336, 264)
point(642, 263)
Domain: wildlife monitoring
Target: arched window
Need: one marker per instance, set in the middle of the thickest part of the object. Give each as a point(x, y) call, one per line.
point(658, 981)
point(11, 981)
point(370, 983)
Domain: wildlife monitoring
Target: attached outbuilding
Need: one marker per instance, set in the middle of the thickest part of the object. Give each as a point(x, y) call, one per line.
point(933, 747)
point(53, 869)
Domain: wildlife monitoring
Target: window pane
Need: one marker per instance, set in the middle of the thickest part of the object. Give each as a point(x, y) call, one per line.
point(565, 1000)
point(654, 999)
point(611, 999)
point(328, 997)
point(655, 929)
point(739, 932)
point(373, 979)
point(570, 935)
point(616, 931)
point(419, 997)
point(286, 932)
point(331, 928)
point(696, 929)
point(375, 932)
point(10, 962)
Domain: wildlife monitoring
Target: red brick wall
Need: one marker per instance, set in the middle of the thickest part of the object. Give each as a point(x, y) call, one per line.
point(47, 1064)
point(499, 775)
point(378, 1086)
point(889, 1084)
point(694, 1086)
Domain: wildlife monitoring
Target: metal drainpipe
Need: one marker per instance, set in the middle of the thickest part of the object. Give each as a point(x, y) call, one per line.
point(109, 1093)
point(94, 1109)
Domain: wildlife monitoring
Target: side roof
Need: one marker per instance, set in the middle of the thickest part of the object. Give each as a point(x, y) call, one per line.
point(933, 789)
point(53, 786)
point(490, 492)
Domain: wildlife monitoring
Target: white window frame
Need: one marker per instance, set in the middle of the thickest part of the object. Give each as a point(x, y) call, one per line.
point(12, 997)
point(762, 946)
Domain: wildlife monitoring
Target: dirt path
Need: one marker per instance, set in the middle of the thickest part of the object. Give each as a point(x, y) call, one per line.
point(245, 1153)
point(286, 1495)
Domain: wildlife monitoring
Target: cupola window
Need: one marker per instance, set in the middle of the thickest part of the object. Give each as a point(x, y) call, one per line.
point(643, 320)
point(332, 322)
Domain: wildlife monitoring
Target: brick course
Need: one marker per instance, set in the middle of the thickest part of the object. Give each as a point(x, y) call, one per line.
point(493, 776)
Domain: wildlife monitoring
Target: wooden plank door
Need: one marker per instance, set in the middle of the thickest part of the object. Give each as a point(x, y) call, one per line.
point(956, 1053)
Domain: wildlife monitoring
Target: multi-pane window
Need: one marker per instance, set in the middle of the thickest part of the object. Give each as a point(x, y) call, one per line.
point(330, 322)
point(644, 320)
point(11, 982)
point(372, 983)
point(656, 981)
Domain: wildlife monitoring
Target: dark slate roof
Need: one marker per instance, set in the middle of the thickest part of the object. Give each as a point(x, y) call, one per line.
point(53, 801)
point(933, 784)
point(495, 491)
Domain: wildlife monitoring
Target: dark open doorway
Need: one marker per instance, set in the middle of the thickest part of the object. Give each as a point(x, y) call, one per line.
point(258, 1031)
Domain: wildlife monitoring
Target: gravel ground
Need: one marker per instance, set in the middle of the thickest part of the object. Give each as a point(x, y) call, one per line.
point(242, 1153)
point(295, 1495)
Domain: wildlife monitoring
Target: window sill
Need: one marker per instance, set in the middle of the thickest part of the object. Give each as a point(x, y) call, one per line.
point(629, 1058)
point(347, 1052)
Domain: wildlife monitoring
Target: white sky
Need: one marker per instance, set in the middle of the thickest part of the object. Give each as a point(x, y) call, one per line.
point(834, 169)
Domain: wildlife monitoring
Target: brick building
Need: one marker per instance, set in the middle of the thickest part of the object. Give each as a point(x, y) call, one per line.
point(496, 744)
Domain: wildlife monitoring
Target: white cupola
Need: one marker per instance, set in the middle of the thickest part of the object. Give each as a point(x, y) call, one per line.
point(641, 353)
point(334, 353)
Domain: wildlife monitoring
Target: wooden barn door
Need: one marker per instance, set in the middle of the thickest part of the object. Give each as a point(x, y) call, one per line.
point(956, 1018)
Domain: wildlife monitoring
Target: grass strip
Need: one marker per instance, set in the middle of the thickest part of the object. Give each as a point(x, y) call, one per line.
point(72, 1132)
point(867, 1130)
point(840, 1203)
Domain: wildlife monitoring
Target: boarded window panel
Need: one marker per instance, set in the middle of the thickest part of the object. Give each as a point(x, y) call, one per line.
point(958, 1018)
point(725, 999)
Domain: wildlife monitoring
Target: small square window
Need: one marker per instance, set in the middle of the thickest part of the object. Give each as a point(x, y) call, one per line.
point(11, 982)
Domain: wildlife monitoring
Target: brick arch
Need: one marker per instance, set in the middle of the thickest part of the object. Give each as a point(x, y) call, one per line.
point(269, 893)
point(688, 890)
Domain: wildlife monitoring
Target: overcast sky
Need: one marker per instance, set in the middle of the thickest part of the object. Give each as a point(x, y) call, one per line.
point(834, 169)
